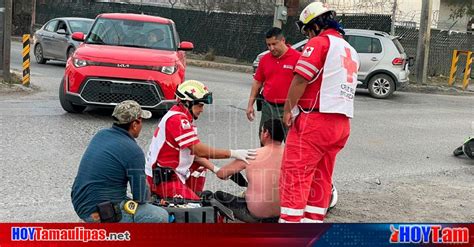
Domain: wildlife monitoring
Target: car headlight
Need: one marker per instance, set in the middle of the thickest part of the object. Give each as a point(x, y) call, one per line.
point(79, 63)
point(169, 70)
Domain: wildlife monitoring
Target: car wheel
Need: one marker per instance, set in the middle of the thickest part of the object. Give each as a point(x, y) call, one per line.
point(70, 51)
point(39, 54)
point(381, 86)
point(66, 104)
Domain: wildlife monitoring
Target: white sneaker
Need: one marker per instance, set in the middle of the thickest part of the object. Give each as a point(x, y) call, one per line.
point(333, 201)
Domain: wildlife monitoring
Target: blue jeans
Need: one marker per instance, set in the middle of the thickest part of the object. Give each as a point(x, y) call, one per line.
point(146, 213)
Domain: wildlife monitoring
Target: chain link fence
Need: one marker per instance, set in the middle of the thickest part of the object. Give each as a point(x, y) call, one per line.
point(242, 36)
point(442, 44)
point(21, 19)
point(238, 36)
point(2, 23)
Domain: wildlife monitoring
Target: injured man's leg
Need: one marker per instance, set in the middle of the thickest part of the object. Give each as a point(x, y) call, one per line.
point(238, 205)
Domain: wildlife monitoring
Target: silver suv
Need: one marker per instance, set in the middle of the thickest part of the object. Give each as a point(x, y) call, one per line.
point(383, 61)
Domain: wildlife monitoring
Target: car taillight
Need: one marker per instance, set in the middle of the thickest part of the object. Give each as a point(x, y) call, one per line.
point(398, 61)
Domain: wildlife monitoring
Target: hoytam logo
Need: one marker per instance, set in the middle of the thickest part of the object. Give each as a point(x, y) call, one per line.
point(435, 234)
point(75, 234)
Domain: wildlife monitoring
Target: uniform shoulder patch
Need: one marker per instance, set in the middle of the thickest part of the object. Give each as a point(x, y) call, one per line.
point(308, 51)
point(185, 124)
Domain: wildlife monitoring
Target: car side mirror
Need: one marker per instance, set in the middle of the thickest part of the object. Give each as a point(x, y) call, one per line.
point(186, 46)
point(78, 36)
point(61, 31)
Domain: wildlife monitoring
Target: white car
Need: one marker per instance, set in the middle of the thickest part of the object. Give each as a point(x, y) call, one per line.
point(383, 61)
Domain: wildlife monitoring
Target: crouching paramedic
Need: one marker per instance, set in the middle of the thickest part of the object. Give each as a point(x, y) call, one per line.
point(177, 161)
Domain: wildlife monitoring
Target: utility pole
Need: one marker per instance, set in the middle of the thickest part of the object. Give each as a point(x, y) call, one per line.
point(7, 30)
point(394, 13)
point(279, 9)
point(423, 47)
point(33, 16)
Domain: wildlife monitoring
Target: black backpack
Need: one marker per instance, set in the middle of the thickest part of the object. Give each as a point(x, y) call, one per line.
point(467, 148)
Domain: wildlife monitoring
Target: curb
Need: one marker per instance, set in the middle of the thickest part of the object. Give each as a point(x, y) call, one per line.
point(221, 66)
point(437, 89)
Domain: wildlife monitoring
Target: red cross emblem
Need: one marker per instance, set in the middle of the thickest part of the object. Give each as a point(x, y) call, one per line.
point(193, 91)
point(185, 124)
point(308, 51)
point(306, 13)
point(349, 64)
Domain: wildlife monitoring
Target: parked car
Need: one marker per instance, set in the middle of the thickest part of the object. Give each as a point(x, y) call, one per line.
point(384, 65)
point(53, 40)
point(125, 57)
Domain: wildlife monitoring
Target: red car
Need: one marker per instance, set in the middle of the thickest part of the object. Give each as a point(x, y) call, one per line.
point(125, 56)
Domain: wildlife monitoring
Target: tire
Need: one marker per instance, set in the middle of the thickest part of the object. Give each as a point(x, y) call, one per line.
point(381, 86)
point(69, 53)
point(39, 56)
point(66, 104)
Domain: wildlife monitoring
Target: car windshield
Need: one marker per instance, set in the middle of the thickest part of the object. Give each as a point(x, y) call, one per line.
point(132, 34)
point(82, 26)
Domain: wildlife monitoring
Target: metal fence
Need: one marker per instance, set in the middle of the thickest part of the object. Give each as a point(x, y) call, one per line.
point(21, 18)
point(2, 12)
point(442, 44)
point(238, 36)
point(242, 36)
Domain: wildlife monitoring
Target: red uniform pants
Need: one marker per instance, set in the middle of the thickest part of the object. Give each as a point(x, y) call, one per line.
point(308, 163)
point(174, 187)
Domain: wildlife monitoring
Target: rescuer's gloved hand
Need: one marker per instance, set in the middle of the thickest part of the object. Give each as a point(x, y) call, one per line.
point(243, 154)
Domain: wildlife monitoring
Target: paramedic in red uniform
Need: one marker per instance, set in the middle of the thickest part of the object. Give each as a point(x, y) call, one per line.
point(274, 74)
point(319, 105)
point(176, 145)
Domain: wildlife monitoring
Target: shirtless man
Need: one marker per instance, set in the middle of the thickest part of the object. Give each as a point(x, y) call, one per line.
point(262, 200)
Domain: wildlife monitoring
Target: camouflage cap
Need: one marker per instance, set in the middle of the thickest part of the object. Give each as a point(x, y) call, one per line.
point(128, 111)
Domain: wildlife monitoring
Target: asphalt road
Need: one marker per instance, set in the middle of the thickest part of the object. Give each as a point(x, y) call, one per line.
point(408, 134)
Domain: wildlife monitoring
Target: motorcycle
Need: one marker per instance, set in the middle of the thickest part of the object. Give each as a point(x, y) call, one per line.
point(466, 149)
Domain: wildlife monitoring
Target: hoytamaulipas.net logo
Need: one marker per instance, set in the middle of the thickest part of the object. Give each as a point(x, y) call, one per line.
point(434, 234)
point(75, 234)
